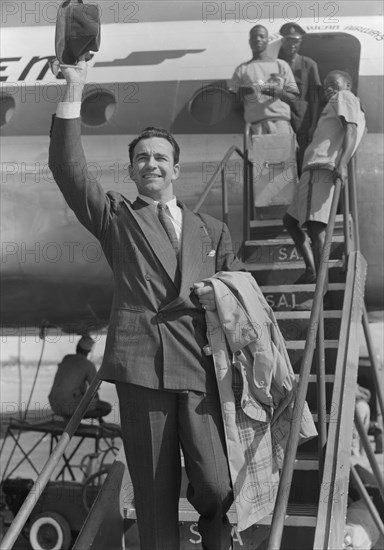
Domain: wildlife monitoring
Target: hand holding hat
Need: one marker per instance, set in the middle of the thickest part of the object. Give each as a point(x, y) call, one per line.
point(77, 33)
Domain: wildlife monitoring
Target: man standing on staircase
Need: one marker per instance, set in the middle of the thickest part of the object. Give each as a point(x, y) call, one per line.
point(305, 109)
point(266, 86)
point(156, 351)
point(338, 133)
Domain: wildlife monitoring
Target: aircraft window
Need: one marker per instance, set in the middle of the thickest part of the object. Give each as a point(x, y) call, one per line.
point(98, 108)
point(210, 105)
point(7, 109)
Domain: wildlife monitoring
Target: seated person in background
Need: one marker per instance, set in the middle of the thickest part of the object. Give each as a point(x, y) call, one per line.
point(74, 374)
point(305, 108)
point(266, 86)
point(336, 138)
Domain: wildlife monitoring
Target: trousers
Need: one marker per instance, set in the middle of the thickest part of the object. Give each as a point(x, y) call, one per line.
point(155, 425)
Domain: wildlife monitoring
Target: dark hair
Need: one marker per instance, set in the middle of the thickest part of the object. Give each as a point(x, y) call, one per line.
point(81, 351)
point(150, 132)
point(287, 29)
point(347, 77)
point(259, 27)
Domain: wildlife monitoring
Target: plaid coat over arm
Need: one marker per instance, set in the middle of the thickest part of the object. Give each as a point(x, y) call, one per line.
point(257, 389)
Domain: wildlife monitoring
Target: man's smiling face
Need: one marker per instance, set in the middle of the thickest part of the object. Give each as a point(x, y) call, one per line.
point(258, 39)
point(153, 169)
point(335, 82)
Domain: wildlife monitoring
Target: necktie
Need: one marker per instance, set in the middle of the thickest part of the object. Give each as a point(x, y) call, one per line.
point(168, 225)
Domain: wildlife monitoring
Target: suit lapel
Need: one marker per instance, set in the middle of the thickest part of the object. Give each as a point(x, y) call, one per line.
point(195, 245)
point(155, 234)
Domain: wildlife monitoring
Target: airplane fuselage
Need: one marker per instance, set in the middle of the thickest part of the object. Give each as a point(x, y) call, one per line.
point(151, 74)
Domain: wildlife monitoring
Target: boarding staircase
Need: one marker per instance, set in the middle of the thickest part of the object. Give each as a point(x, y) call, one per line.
point(311, 501)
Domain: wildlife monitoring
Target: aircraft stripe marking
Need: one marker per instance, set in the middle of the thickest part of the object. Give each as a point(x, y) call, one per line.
point(146, 58)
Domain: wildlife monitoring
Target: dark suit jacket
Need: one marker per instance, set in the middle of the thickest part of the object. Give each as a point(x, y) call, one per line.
point(157, 328)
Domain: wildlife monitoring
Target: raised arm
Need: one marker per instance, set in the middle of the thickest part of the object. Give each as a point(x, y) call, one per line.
point(81, 190)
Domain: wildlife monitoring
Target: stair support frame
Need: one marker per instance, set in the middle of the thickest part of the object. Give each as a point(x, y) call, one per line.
point(329, 532)
point(279, 512)
point(46, 473)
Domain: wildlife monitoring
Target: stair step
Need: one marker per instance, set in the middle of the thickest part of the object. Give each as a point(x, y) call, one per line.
point(279, 223)
point(329, 378)
point(302, 288)
point(303, 515)
point(329, 417)
point(287, 273)
point(295, 350)
point(294, 324)
point(271, 228)
point(306, 461)
point(284, 250)
point(300, 344)
point(287, 297)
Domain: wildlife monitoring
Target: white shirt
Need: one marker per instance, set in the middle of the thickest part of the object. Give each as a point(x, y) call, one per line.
point(258, 106)
point(327, 144)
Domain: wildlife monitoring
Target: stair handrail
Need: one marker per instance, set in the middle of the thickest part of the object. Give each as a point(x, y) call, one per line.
point(328, 531)
point(352, 187)
point(354, 213)
point(46, 473)
point(279, 512)
point(247, 178)
point(219, 169)
point(352, 191)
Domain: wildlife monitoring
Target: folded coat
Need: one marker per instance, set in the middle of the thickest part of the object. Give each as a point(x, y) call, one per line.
point(257, 390)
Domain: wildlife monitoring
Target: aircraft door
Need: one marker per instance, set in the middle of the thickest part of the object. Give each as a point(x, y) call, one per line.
point(336, 50)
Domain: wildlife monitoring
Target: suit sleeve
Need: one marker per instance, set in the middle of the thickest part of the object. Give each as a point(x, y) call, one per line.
point(226, 259)
point(82, 191)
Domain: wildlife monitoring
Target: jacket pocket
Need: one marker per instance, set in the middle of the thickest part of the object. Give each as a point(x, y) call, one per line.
point(125, 326)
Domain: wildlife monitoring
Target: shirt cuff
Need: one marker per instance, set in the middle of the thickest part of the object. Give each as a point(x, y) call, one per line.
point(68, 109)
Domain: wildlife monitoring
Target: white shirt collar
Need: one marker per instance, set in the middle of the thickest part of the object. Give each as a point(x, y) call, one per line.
point(149, 200)
point(174, 209)
point(174, 213)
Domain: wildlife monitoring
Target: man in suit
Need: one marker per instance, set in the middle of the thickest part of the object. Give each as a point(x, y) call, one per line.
point(156, 349)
